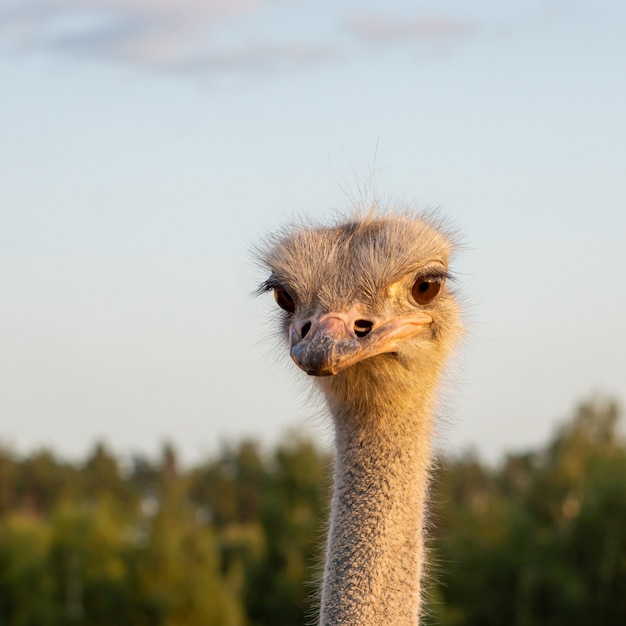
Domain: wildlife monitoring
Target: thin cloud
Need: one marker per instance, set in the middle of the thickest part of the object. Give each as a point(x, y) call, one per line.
point(385, 29)
point(197, 34)
point(150, 32)
point(263, 56)
point(204, 10)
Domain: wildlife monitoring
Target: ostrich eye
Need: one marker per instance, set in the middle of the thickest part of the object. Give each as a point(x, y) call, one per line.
point(425, 290)
point(284, 300)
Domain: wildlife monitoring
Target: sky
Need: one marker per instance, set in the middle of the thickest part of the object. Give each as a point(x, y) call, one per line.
point(147, 145)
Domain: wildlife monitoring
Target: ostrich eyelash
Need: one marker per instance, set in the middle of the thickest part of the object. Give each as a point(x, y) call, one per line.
point(271, 283)
point(433, 274)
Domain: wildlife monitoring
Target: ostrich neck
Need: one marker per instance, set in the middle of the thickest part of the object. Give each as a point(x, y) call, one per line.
point(375, 543)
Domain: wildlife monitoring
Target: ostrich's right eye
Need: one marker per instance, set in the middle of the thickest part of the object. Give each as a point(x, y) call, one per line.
point(426, 289)
point(284, 300)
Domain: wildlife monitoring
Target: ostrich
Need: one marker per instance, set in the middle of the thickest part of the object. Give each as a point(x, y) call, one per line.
point(367, 309)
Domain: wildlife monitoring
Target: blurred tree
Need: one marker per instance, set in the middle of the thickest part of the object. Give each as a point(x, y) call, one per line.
point(27, 584)
point(538, 540)
point(179, 570)
point(42, 481)
point(280, 589)
point(229, 489)
point(8, 479)
point(89, 558)
point(542, 540)
point(102, 478)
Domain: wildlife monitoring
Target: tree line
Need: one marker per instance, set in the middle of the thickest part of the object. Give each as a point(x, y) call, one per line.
point(238, 540)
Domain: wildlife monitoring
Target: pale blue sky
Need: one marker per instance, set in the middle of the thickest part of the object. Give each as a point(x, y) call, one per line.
point(144, 147)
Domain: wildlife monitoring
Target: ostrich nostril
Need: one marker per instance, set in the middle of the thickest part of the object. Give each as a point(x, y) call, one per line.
point(305, 329)
point(362, 327)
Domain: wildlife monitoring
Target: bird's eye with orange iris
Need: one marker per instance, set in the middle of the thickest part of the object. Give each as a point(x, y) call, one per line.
point(426, 289)
point(284, 300)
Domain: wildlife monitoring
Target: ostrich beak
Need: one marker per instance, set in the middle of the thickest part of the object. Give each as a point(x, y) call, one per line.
point(331, 344)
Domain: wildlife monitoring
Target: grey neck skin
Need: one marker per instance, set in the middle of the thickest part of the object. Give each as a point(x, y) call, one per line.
point(375, 543)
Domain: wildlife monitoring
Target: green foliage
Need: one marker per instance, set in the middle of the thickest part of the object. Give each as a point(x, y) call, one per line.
point(541, 540)
point(237, 541)
point(25, 544)
point(268, 513)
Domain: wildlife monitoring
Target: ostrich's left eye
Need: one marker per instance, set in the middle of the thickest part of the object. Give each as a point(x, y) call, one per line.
point(426, 289)
point(284, 300)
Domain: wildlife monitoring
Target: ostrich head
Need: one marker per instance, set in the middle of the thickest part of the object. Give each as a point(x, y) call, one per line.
point(367, 305)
